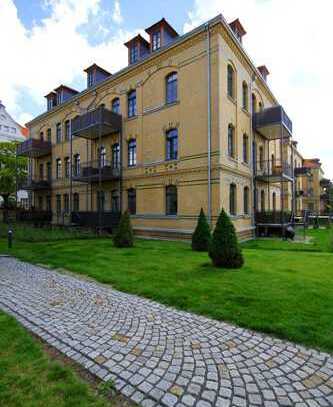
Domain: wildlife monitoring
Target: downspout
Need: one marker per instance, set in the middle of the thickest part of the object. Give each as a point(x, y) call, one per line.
point(252, 153)
point(209, 130)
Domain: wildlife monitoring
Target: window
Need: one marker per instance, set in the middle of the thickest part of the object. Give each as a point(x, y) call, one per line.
point(58, 204)
point(262, 200)
point(67, 167)
point(102, 157)
point(156, 40)
point(41, 171)
point(171, 87)
point(254, 103)
point(172, 144)
point(134, 54)
point(231, 84)
point(49, 171)
point(261, 157)
point(231, 141)
point(273, 164)
point(76, 202)
point(90, 79)
point(58, 168)
point(132, 153)
point(274, 201)
point(246, 200)
point(48, 203)
point(232, 199)
point(116, 156)
point(131, 99)
point(40, 203)
point(49, 103)
point(171, 200)
point(116, 105)
point(49, 135)
point(77, 166)
point(41, 136)
point(131, 201)
point(245, 96)
point(260, 107)
point(67, 130)
point(66, 203)
point(115, 202)
point(58, 133)
point(245, 148)
point(100, 201)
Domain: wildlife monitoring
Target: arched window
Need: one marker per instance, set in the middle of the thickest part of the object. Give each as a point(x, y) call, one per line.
point(246, 200)
point(171, 204)
point(245, 148)
point(273, 163)
point(231, 141)
point(262, 200)
point(131, 104)
point(115, 156)
point(231, 82)
point(76, 202)
point(131, 201)
point(77, 164)
point(261, 108)
point(261, 157)
point(132, 153)
point(115, 201)
point(232, 199)
point(100, 201)
point(254, 103)
point(116, 105)
point(274, 201)
point(172, 144)
point(102, 156)
point(171, 87)
point(245, 96)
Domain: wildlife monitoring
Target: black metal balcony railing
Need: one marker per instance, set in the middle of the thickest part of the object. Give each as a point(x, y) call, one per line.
point(301, 171)
point(95, 123)
point(274, 170)
point(34, 216)
point(93, 171)
point(269, 121)
point(108, 219)
point(34, 148)
point(272, 217)
point(35, 184)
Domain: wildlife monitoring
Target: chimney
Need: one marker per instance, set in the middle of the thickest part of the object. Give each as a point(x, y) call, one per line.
point(237, 29)
point(264, 72)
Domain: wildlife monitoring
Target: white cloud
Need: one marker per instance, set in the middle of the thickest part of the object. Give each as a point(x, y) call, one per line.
point(54, 51)
point(116, 16)
point(294, 39)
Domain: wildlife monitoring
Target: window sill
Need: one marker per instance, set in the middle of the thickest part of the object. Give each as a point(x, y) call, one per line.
point(128, 119)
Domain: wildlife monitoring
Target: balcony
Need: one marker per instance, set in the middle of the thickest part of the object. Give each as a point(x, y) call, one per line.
point(93, 171)
point(302, 171)
point(34, 148)
point(96, 123)
point(35, 184)
point(272, 123)
point(104, 219)
point(274, 171)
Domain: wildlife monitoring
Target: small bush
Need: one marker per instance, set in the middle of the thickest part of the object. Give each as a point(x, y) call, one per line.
point(201, 236)
point(224, 249)
point(124, 236)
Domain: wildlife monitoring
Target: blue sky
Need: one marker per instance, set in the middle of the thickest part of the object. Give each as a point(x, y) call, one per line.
point(48, 42)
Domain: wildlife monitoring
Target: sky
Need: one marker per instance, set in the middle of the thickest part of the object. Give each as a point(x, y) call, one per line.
point(45, 43)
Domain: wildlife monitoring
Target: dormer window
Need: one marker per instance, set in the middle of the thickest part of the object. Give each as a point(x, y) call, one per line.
point(49, 104)
point(156, 40)
point(59, 98)
point(90, 79)
point(134, 54)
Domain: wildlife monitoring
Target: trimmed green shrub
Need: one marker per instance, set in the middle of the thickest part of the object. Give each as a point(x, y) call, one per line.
point(201, 236)
point(224, 249)
point(124, 236)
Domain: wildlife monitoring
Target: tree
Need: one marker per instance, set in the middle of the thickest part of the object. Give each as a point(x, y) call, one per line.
point(124, 236)
point(201, 236)
point(12, 169)
point(224, 249)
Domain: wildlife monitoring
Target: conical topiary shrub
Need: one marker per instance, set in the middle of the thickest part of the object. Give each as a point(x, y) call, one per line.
point(224, 249)
point(201, 236)
point(124, 236)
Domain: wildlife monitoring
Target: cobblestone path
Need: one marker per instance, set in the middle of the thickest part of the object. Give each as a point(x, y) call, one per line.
point(158, 356)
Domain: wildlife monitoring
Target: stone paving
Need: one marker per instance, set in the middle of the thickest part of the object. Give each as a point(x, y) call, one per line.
point(158, 356)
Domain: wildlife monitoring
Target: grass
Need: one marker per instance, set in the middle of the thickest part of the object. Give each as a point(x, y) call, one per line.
point(29, 377)
point(283, 292)
point(26, 233)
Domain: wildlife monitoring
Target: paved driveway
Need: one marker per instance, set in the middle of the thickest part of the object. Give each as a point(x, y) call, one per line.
point(158, 356)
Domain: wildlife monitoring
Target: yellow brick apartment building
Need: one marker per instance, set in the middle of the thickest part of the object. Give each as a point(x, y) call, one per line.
point(189, 123)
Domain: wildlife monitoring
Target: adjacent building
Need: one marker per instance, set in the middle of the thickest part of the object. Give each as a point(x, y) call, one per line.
point(189, 123)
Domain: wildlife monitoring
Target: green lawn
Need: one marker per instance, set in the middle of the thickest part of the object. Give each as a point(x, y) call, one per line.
point(283, 292)
point(29, 377)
